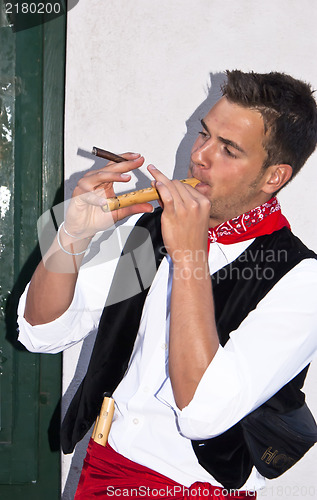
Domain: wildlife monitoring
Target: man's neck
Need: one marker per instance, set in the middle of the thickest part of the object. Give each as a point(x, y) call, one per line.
point(215, 221)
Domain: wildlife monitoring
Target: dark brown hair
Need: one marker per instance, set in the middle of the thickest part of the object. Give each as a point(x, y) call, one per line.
point(288, 109)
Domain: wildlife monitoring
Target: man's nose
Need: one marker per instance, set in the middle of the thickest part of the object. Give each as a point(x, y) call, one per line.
point(202, 153)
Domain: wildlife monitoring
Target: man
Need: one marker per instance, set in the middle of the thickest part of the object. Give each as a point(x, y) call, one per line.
point(200, 353)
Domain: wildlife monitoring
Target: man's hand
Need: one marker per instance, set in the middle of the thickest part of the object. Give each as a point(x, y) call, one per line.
point(84, 216)
point(185, 218)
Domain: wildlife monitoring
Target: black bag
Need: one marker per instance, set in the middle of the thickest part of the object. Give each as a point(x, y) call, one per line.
point(276, 441)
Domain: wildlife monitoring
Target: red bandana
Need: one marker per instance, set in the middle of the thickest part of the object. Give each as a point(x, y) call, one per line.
point(259, 221)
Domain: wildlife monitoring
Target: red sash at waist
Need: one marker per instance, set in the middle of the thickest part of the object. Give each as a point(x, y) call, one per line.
point(107, 474)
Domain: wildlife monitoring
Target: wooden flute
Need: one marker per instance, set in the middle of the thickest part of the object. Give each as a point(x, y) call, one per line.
point(104, 420)
point(133, 197)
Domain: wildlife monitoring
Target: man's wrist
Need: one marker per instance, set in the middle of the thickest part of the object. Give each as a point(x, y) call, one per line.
point(188, 269)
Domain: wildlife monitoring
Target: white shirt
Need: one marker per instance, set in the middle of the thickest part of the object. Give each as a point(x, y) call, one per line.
point(271, 346)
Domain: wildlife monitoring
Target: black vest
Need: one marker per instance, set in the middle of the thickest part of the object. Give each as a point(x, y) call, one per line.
point(237, 289)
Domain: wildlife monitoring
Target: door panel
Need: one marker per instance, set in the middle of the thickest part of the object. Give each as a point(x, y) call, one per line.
point(31, 173)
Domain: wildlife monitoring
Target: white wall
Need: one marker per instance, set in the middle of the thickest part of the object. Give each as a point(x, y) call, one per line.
point(136, 73)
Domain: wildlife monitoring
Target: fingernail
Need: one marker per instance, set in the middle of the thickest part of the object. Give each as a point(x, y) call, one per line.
point(138, 157)
point(125, 176)
point(151, 167)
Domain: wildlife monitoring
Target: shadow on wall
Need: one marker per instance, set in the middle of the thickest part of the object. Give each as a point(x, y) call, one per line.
point(181, 169)
point(193, 124)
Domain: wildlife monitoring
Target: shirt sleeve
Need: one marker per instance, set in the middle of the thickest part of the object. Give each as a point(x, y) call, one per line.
point(53, 337)
point(271, 346)
point(78, 321)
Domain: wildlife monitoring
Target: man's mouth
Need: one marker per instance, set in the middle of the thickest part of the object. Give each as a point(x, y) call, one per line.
point(194, 173)
point(199, 178)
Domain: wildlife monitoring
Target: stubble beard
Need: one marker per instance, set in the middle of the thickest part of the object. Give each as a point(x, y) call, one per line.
point(222, 210)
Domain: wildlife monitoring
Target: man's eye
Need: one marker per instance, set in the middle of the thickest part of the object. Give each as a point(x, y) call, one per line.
point(229, 153)
point(203, 134)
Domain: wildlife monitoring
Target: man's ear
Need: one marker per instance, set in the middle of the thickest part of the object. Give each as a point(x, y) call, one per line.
point(276, 177)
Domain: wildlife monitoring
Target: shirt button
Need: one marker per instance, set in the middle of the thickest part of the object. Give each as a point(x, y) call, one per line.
point(164, 346)
point(135, 421)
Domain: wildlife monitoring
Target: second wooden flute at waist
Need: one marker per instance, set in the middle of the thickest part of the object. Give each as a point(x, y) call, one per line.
point(140, 196)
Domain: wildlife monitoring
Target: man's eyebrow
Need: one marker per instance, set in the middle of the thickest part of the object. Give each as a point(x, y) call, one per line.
point(228, 142)
point(204, 125)
point(233, 144)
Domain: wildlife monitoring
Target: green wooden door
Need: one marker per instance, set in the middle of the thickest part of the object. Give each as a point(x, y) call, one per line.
point(31, 155)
